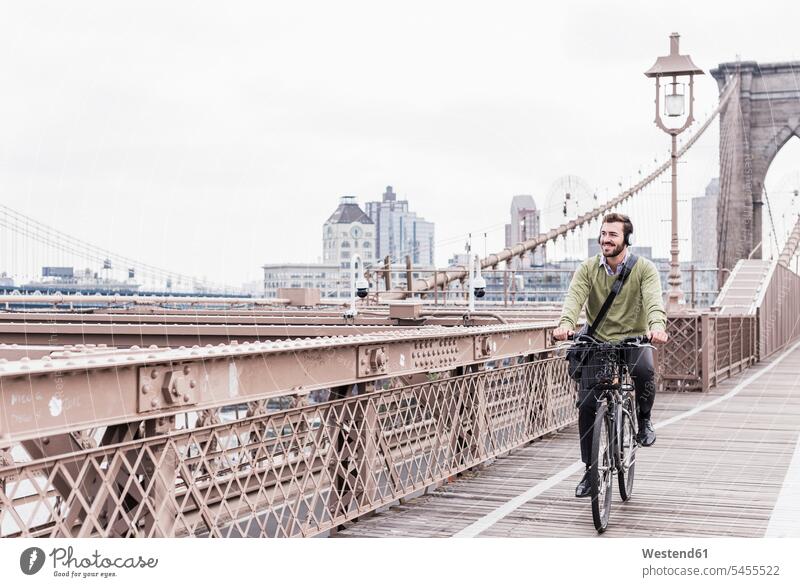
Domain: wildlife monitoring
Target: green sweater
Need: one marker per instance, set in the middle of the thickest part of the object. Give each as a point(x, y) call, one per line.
point(637, 308)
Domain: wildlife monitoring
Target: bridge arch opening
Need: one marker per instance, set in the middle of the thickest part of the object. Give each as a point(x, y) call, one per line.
point(781, 196)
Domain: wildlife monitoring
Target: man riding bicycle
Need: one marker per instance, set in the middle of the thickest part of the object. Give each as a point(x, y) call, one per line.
point(636, 310)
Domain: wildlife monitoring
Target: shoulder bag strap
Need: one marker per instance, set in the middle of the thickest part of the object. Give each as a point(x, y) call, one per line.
point(618, 283)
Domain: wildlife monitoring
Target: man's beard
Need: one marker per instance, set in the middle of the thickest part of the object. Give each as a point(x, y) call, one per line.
point(617, 250)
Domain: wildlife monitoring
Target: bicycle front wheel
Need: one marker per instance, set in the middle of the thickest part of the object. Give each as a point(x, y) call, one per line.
point(600, 470)
point(627, 455)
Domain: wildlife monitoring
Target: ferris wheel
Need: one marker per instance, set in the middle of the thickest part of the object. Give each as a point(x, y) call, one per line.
point(568, 197)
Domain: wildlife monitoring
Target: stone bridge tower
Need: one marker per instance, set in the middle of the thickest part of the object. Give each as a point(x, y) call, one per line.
point(757, 121)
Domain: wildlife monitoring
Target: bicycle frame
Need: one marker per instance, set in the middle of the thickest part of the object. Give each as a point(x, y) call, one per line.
point(614, 432)
point(619, 400)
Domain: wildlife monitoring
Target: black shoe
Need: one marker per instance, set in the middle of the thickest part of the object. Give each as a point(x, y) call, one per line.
point(583, 489)
point(646, 435)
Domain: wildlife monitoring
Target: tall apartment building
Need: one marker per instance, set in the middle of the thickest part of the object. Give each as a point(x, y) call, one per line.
point(704, 226)
point(525, 219)
point(401, 232)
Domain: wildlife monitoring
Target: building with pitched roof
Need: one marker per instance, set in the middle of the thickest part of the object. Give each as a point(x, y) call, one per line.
point(348, 232)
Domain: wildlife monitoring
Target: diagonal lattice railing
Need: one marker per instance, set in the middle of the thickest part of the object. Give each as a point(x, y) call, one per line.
point(704, 349)
point(297, 472)
point(306, 469)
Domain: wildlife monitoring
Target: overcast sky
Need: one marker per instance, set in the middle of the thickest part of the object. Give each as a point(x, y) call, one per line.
point(214, 137)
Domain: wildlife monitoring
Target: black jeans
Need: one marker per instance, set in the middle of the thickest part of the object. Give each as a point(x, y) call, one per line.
point(640, 366)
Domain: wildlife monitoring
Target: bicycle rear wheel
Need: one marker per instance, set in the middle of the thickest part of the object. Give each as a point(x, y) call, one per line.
point(627, 455)
point(600, 470)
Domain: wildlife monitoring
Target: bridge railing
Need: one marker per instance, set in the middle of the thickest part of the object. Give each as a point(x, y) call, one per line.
point(296, 472)
point(454, 398)
point(706, 348)
point(778, 310)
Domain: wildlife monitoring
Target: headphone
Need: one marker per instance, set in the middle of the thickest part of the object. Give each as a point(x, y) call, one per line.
point(627, 229)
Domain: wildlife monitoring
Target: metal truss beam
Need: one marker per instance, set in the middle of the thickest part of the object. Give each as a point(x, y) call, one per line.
point(94, 387)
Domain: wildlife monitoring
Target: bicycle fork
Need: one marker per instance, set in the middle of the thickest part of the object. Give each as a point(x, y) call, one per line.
point(615, 433)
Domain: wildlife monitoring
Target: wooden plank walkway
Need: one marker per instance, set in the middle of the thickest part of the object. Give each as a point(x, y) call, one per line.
point(717, 472)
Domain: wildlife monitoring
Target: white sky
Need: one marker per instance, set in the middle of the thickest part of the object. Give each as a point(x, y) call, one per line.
point(210, 138)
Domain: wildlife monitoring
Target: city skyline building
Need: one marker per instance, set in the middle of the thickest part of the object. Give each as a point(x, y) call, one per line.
point(349, 231)
point(401, 232)
point(704, 226)
point(329, 278)
point(524, 225)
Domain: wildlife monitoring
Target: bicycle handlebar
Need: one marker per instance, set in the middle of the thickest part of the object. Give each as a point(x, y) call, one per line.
point(631, 341)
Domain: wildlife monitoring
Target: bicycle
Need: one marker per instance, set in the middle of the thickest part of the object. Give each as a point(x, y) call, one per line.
point(615, 426)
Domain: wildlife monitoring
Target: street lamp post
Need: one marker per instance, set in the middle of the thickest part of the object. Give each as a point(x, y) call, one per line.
point(674, 66)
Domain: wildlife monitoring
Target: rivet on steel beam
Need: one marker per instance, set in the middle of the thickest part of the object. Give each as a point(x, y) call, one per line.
point(135, 347)
point(186, 369)
point(192, 383)
point(186, 399)
point(146, 388)
point(154, 403)
point(154, 374)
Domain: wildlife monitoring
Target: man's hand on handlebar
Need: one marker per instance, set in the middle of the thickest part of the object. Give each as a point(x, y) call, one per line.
point(657, 336)
point(654, 336)
point(562, 333)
